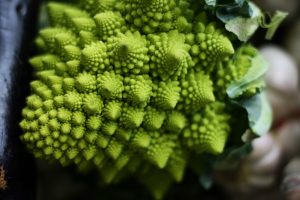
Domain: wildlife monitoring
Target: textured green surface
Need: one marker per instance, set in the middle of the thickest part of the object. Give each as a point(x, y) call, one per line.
point(132, 88)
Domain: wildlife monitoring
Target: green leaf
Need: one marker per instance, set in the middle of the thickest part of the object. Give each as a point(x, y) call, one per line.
point(206, 181)
point(211, 2)
point(274, 23)
point(228, 160)
point(259, 113)
point(231, 158)
point(225, 3)
point(243, 18)
point(208, 162)
point(244, 27)
point(229, 9)
point(252, 79)
point(233, 10)
point(257, 107)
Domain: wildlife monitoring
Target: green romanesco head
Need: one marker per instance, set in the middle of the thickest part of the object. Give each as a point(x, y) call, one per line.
point(131, 87)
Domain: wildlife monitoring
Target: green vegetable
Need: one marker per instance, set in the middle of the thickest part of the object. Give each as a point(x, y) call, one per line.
point(243, 18)
point(133, 87)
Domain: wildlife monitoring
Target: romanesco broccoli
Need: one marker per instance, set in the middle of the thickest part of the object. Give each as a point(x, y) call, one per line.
point(132, 87)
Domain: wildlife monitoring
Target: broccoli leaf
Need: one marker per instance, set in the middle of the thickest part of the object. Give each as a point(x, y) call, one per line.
point(257, 106)
point(252, 78)
point(243, 18)
point(239, 16)
point(274, 23)
point(259, 113)
point(206, 181)
point(229, 9)
point(230, 159)
point(244, 26)
point(211, 2)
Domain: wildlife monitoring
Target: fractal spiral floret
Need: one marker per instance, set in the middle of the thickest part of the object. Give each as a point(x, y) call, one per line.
point(132, 88)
